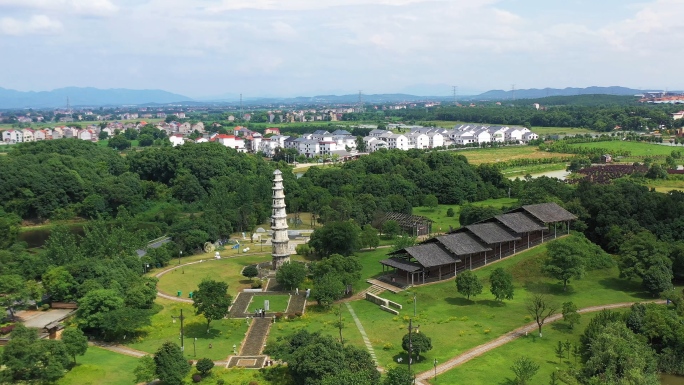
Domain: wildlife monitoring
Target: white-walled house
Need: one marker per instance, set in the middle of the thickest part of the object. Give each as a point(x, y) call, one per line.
point(529, 135)
point(497, 134)
point(327, 147)
point(28, 135)
point(435, 139)
point(374, 144)
point(12, 136)
point(397, 141)
point(513, 134)
point(176, 140)
point(418, 140)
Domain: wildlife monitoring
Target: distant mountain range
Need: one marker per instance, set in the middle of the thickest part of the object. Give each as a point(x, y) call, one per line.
point(85, 97)
point(92, 97)
point(570, 91)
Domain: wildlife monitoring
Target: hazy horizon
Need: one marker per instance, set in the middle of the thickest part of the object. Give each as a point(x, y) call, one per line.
point(265, 48)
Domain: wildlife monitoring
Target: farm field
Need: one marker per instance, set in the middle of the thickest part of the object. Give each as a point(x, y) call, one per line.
point(503, 154)
point(637, 149)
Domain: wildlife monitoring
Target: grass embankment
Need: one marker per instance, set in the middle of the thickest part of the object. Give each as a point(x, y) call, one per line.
point(101, 367)
point(539, 350)
point(222, 334)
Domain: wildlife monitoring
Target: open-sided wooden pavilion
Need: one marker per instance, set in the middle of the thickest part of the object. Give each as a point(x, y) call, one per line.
point(476, 245)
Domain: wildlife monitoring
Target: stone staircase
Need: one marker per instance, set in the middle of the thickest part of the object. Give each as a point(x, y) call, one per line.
point(239, 306)
point(254, 342)
point(297, 304)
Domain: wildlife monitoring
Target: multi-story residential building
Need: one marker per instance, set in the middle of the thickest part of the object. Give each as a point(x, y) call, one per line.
point(418, 140)
point(12, 136)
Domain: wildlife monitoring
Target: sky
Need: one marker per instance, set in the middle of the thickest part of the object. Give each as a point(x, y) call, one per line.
point(211, 48)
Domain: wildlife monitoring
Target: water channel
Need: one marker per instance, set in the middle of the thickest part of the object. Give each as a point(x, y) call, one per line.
point(668, 379)
point(37, 237)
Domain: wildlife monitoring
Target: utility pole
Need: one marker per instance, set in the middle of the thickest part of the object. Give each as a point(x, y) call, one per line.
point(241, 113)
point(410, 347)
point(414, 303)
point(181, 329)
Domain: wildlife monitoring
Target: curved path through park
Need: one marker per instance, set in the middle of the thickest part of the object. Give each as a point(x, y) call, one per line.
point(508, 337)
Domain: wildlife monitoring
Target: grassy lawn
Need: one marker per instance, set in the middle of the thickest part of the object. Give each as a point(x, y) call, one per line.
point(444, 312)
point(540, 350)
point(186, 279)
point(277, 303)
point(635, 148)
point(543, 131)
point(442, 221)
point(101, 367)
point(222, 335)
point(503, 154)
point(666, 185)
point(319, 320)
point(521, 171)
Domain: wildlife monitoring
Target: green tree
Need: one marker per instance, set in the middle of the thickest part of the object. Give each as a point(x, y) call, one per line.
point(145, 140)
point(560, 351)
point(212, 300)
point(501, 284)
point(291, 274)
point(450, 212)
point(103, 135)
point(369, 237)
point(540, 308)
point(75, 342)
point(336, 238)
point(29, 359)
point(563, 263)
point(13, 290)
point(170, 365)
point(398, 375)
point(60, 284)
point(391, 228)
point(119, 143)
point(524, 369)
point(93, 307)
point(250, 272)
point(431, 202)
point(327, 289)
point(145, 370)
point(403, 242)
point(9, 226)
point(204, 366)
point(621, 357)
point(468, 284)
point(570, 314)
point(347, 269)
point(657, 279)
point(471, 214)
point(420, 343)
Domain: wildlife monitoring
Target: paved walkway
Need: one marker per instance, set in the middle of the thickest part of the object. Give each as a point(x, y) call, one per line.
point(363, 333)
point(506, 338)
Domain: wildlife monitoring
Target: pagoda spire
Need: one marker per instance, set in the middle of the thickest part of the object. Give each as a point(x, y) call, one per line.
point(280, 241)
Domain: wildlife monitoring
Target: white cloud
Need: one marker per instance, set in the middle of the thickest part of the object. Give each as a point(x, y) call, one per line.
point(35, 25)
point(97, 8)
